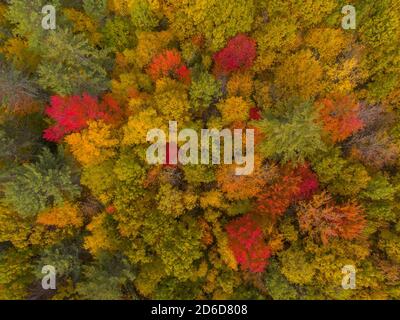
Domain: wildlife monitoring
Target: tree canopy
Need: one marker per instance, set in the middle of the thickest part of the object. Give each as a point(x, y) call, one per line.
point(76, 192)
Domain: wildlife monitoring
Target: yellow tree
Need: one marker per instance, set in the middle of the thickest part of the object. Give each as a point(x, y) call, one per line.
point(234, 109)
point(299, 76)
point(135, 131)
point(171, 100)
point(83, 23)
point(241, 84)
point(94, 144)
point(216, 20)
point(328, 42)
point(67, 215)
point(102, 236)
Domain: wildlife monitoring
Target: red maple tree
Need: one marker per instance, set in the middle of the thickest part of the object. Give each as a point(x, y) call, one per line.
point(171, 154)
point(239, 53)
point(247, 243)
point(169, 63)
point(71, 114)
point(308, 182)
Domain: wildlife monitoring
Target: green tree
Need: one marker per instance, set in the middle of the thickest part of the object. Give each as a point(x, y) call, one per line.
point(26, 18)
point(203, 91)
point(379, 199)
point(64, 256)
point(293, 137)
point(119, 34)
point(176, 242)
point(70, 65)
point(142, 16)
point(339, 175)
point(96, 9)
point(33, 187)
point(109, 277)
point(279, 288)
point(380, 30)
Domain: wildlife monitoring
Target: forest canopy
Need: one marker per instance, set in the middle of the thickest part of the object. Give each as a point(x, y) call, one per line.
point(78, 98)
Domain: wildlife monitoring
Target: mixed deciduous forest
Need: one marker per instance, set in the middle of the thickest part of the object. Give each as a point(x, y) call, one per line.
point(77, 193)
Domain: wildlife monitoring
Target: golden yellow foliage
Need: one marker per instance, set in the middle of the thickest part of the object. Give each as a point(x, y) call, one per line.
point(149, 276)
point(137, 103)
point(94, 144)
point(276, 244)
point(149, 44)
point(299, 76)
point(274, 40)
point(135, 131)
point(174, 202)
point(13, 228)
point(240, 84)
point(213, 199)
point(124, 7)
point(171, 100)
point(17, 51)
point(120, 7)
point(328, 42)
point(83, 23)
point(206, 232)
point(43, 235)
point(61, 217)
point(217, 20)
point(223, 247)
point(3, 9)
point(343, 77)
point(234, 109)
point(262, 94)
point(100, 238)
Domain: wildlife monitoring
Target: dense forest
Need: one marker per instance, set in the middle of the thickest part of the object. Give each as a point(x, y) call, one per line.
point(78, 97)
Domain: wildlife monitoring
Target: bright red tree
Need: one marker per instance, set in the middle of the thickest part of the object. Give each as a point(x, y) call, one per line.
point(169, 63)
point(308, 182)
point(247, 243)
point(71, 114)
point(239, 53)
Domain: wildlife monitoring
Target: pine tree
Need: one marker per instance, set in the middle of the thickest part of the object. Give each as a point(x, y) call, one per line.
point(35, 186)
point(70, 65)
point(292, 137)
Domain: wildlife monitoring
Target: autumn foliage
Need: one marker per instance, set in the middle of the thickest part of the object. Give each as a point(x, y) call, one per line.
point(322, 217)
point(255, 114)
point(308, 182)
point(247, 243)
point(277, 198)
point(239, 54)
point(169, 63)
point(71, 114)
point(67, 215)
point(77, 189)
point(339, 114)
point(293, 184)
